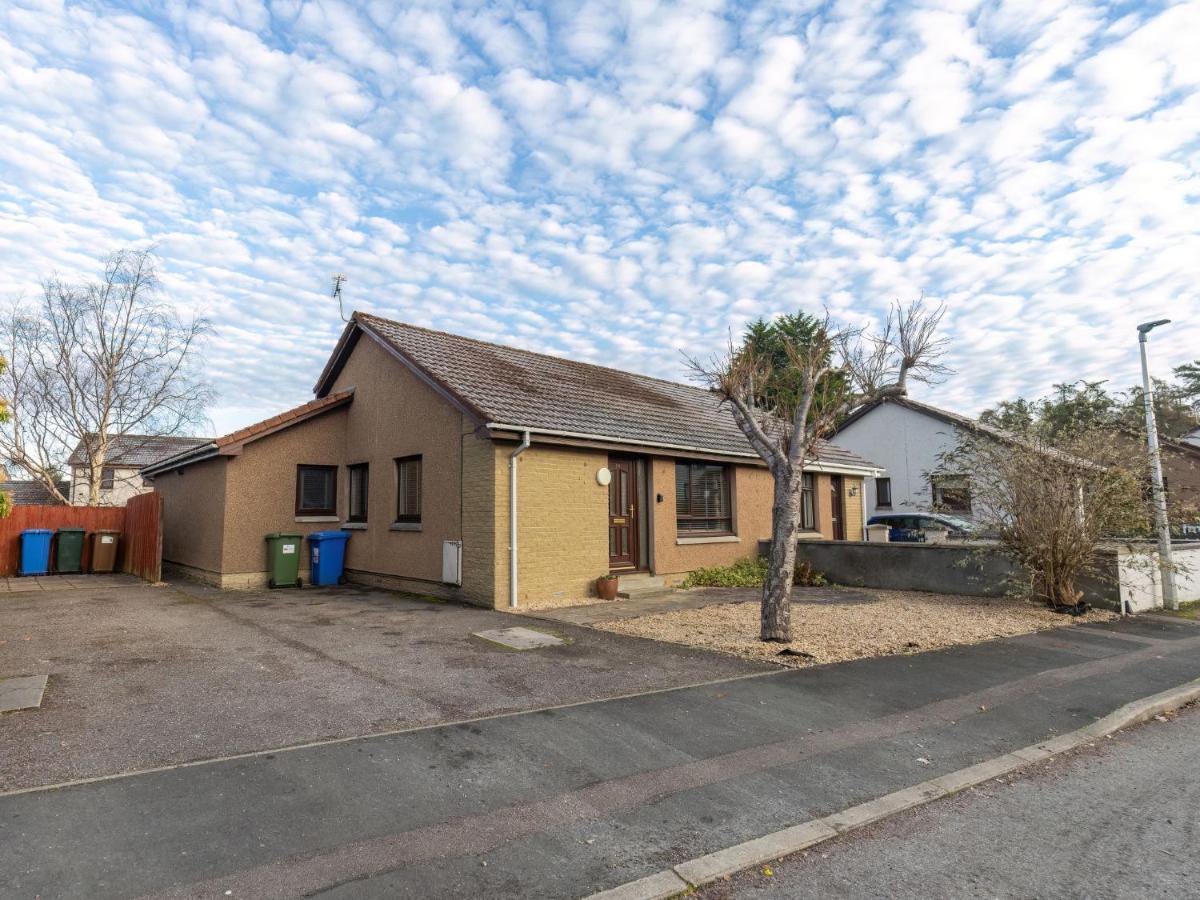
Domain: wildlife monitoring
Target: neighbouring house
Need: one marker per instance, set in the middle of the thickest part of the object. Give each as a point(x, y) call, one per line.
point(121, 476)
point(33, 493)
point(1192, 438)
point(907, 439)
point(419, 441)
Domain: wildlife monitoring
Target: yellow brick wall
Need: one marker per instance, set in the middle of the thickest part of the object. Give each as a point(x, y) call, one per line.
point(853, 507)
point(480, 580)
point(562, 523)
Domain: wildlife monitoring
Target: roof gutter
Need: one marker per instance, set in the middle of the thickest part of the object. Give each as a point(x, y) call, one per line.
point(191, 455)
point(815, 465)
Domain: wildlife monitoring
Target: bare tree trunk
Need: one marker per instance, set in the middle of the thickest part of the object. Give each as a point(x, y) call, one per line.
point(777, 588)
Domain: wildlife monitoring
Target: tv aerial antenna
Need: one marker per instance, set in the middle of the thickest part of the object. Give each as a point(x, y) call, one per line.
point(338, 280)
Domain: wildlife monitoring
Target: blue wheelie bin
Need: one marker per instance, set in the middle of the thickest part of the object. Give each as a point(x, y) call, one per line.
point(327, 557)
point(35, 551)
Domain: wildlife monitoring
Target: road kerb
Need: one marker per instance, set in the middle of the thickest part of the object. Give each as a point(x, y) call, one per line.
point(658, 886)
point(722, 863)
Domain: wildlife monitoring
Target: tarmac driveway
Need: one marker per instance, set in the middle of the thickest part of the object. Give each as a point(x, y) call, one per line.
point(144, 676)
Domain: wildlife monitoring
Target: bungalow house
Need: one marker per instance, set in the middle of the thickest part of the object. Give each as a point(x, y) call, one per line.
point(121, 475)
point(435, 450)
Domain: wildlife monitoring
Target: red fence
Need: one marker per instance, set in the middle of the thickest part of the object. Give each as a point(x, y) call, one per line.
point(140, 523)
point(142, 537)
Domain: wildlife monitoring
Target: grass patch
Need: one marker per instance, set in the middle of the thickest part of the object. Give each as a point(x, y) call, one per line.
point(1186, 610)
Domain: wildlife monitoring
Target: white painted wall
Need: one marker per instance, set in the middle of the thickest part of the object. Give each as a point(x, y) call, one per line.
point(1141, 581)
point(127, 483)
point(907, 444)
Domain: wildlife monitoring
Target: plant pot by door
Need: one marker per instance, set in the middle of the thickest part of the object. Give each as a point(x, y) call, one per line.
point(606, 587)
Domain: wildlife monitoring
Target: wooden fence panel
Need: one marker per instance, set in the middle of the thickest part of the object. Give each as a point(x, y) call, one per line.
point(142, 537)
point(140, 524)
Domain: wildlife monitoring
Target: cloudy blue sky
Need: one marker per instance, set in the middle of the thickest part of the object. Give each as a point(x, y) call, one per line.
point(618, 181)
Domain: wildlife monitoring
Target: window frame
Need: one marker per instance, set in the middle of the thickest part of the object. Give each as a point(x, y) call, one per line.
point(363, 492)
point(331, 472)
point(108, 478)
point(808, 488)
point(409, 518)
point(880, 503)
point(937, 495)
point(730, 516)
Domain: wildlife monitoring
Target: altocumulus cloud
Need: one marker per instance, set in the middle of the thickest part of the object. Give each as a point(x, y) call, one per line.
point(616, 182)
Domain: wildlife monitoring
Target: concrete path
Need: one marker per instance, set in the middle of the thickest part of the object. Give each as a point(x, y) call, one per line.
point(20, 585)
point(696, 598)
point(565, 802)
point(1121, 819)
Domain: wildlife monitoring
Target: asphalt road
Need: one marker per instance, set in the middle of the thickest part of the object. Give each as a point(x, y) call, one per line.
point(1119, 820)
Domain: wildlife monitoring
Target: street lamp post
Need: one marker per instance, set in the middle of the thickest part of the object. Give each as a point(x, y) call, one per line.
point(1167, 567)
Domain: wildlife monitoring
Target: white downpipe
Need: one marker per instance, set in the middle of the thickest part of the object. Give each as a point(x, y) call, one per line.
point(512, 519)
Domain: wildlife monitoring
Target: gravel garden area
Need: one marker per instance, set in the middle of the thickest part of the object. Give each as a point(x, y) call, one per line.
point(830, 632)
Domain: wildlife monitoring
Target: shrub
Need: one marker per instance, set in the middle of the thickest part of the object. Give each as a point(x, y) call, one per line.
point(806, 577)
point(748, 572)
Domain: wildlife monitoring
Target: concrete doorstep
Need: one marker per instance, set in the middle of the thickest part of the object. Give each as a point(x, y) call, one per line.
point(711, 867)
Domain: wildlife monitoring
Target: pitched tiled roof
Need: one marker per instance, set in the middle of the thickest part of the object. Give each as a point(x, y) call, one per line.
point(137, 450)
point(34, 493)
point(506, 386)
point(227, 444)
point(284, 419)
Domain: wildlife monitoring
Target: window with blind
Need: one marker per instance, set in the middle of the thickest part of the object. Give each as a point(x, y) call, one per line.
point(702, 499)
point(356, 501)
point(808, 502)
point(408, 489)
point(316, 490)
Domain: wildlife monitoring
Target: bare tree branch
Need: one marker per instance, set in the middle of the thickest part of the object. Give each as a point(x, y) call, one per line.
point(786, 404)
point(94, 363)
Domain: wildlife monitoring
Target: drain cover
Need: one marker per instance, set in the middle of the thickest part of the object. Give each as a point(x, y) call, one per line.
point(24, 692)
point(519, 638)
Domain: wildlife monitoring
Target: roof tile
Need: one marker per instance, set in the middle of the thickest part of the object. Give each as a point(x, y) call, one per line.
point(523, 389)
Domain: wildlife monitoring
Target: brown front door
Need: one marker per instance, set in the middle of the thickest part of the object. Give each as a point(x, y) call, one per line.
point(836, 512)
point(622, 514)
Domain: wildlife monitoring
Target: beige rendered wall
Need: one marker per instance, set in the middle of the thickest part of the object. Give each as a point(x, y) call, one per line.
point(260, 490)
point(193, 517)
point(752, 508)
point(753, 497)
point(562, 523)
point(395, 414)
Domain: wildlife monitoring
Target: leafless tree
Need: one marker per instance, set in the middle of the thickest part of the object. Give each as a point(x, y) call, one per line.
point(828, 371)
point(95, 362)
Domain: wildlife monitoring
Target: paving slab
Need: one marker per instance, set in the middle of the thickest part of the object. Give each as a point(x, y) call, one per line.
point(519, 638)
point(21, 692)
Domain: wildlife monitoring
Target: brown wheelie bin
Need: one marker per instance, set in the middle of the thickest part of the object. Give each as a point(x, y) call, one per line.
point(104, 551)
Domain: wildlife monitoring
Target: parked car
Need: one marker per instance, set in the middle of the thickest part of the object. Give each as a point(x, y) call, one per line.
point(911, 527)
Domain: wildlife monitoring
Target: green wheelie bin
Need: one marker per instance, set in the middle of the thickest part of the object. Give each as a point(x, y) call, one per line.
point(283, 560)
point(69, 558)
